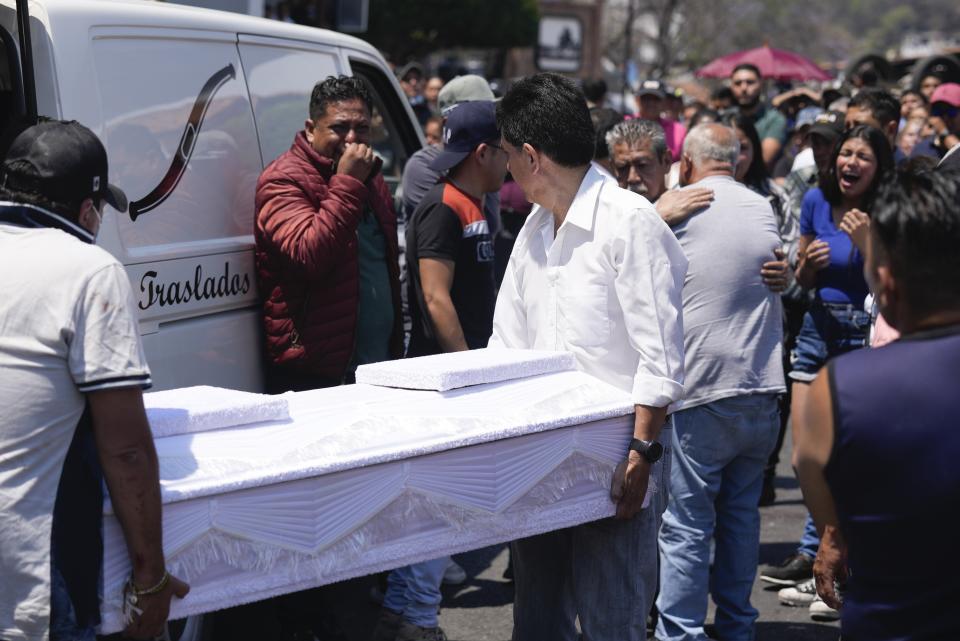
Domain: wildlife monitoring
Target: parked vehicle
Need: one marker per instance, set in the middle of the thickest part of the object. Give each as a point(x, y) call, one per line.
point(191, 104)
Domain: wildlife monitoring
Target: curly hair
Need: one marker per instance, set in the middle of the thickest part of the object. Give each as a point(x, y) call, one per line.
point(337, 89)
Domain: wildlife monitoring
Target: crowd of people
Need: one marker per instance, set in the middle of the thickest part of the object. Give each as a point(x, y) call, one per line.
point(728, 266)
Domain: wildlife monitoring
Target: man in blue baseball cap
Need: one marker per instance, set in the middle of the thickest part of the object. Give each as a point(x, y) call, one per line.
point(452, 296)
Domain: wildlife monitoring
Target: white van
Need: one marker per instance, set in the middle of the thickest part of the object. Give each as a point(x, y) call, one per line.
point(191, 105)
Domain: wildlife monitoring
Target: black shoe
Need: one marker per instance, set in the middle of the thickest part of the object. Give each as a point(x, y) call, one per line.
point(793, 570)
point(411, 632)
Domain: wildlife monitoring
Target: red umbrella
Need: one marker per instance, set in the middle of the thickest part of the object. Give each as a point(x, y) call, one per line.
point(772, 63)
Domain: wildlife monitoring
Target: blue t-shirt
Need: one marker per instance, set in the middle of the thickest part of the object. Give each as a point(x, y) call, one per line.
point(842, 280)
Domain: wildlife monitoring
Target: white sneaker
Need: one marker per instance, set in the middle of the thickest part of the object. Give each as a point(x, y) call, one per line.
point(820, 611)
point(801, 595)
point(454, 574)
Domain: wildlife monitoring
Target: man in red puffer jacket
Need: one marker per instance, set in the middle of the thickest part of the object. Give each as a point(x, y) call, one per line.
point(326, 248)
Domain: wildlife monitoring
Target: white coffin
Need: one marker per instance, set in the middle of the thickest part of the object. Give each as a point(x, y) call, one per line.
point(365, 478)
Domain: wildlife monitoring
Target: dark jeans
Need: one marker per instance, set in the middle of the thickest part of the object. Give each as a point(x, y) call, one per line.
point(794, 308)
point(76, 546)
point(604, 572)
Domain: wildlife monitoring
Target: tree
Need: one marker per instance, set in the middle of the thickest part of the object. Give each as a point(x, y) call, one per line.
point(690, 33)
point(414, 28)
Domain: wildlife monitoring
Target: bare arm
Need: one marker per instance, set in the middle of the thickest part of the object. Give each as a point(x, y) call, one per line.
point(436, 279)
point(813, 442)
point(770, 147)
point(129, 462)
point(799, 91)
point(676, 205)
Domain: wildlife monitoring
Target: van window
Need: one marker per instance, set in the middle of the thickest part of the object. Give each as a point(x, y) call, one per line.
point(393, 135)
point(280, 77)
point(180, 135)
point(11, 90)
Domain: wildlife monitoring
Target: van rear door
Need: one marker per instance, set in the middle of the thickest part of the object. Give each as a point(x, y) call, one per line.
point(179, 131)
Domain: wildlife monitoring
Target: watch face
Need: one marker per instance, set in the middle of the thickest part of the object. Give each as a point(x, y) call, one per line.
point(654, 452)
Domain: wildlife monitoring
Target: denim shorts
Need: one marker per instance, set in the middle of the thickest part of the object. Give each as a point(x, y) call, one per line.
point(828, 330)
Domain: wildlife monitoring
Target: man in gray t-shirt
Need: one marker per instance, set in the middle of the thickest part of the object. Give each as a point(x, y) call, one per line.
point(727, 424)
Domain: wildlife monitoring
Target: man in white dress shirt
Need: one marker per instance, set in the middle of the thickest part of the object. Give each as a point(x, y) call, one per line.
point(596, 272)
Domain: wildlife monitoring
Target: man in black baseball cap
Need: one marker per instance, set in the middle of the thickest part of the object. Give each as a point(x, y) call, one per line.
point(468, 126)
point(826, 129)
point(63, 162)
point(72, 371)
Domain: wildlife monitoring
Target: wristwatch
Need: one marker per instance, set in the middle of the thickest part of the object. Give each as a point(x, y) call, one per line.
point(650, 450)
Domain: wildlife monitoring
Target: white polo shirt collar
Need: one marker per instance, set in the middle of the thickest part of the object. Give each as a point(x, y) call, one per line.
point(26, 215)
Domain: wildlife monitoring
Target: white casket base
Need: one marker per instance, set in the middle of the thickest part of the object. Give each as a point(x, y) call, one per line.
point(365, 479)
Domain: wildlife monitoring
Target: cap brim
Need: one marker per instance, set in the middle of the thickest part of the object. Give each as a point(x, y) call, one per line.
point(827, 132)
point(115, 198)
point(652, 92)
point(448, 159)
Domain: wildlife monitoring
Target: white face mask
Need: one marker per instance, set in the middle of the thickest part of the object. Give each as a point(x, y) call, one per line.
point(99, 214)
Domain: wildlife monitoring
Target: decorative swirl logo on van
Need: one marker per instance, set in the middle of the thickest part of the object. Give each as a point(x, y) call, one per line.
point(187, 143)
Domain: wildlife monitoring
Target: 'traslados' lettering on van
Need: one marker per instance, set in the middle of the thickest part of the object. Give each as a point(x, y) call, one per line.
point(156, 292)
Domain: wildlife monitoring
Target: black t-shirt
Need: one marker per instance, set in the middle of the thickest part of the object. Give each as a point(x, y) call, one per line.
point(448, 224)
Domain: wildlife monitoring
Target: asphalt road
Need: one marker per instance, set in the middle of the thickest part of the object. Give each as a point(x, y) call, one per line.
point(481, 608)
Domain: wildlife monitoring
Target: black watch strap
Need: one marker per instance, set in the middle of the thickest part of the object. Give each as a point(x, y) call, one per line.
point(652, 451)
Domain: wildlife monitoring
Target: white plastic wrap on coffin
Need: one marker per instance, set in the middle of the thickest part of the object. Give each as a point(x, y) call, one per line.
point(309, 521)
point(443, 372)
point(359, 426)
point(425, 518)
point(413, 527)
point(491, 476)
point(202, 408)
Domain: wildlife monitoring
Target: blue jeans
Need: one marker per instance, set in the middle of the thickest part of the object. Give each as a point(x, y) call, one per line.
point(718, 456)
point(63, 619)
point(828, 330)
point(605, 572)
point(413, 591)
point(810, 541)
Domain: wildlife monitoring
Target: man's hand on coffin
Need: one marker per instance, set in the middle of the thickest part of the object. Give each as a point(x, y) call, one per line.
point(155, 608)
point(630, 479)
point(629, 486)
point(130, 468)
